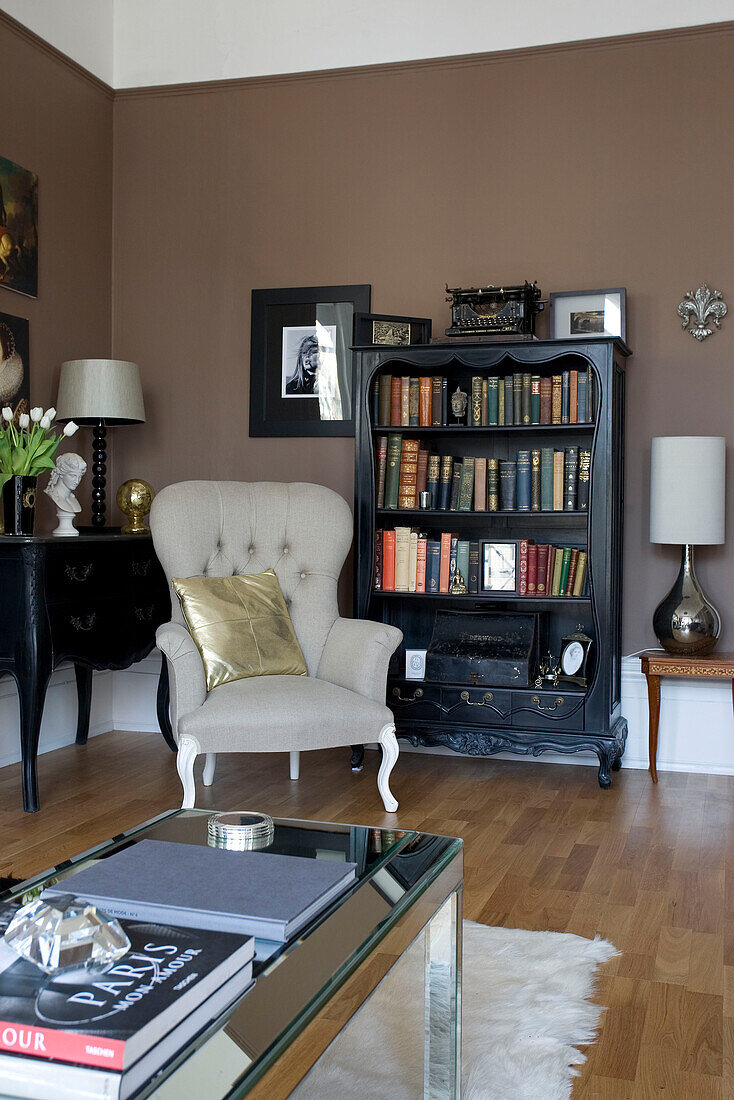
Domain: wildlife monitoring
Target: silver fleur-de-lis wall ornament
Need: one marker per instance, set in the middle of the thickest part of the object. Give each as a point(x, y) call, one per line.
point(701, 307)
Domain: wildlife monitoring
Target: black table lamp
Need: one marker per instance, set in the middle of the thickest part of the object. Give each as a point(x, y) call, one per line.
point(100, 392)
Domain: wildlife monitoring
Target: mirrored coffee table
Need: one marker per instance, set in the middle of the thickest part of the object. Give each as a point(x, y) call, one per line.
point(408, 891)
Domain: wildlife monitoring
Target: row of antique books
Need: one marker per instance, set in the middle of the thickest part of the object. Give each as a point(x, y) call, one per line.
point(407, 560)
point(515, 399)
point(545, 479)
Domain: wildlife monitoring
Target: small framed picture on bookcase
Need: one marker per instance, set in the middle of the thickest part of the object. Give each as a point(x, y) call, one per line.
point(499, 566)
point(578, 314)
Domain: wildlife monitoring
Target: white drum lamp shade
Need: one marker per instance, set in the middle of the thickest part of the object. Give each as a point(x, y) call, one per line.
point(94, 390)
point(687, 483)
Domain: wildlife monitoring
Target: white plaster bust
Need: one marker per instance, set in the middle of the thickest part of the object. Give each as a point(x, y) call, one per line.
point(65, 477)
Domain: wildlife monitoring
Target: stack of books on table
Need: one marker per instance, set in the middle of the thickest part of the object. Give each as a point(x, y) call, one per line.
point(191, 914)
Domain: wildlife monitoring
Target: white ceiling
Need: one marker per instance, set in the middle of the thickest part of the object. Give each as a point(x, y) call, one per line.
point(128, 43)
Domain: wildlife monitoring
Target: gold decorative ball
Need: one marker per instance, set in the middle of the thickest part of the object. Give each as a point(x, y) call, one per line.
point(134, 498)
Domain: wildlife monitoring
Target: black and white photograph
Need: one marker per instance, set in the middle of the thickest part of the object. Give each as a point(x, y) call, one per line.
point(587, 321)
point(309, 359)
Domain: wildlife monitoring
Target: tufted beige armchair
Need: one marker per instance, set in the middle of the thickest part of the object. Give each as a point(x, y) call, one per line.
point(303, 532)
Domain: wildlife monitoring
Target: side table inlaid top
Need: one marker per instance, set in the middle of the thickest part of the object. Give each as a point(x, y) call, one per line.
point(656, 663)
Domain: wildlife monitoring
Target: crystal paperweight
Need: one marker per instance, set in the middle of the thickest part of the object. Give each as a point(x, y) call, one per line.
point(65, 933)
point(241, 830)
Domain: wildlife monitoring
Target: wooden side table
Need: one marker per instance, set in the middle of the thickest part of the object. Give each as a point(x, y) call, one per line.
point(655, 663)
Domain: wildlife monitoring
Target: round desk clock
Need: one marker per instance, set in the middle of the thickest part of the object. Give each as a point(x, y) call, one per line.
point(575, 649)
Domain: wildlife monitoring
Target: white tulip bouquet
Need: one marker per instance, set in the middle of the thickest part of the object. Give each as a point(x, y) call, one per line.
point(29, 448)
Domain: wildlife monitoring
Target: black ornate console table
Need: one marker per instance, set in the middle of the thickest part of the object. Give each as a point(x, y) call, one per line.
point(96, 601)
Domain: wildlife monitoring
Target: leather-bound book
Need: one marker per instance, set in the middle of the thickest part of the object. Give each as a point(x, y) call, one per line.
point(476, 401)
point(485, 402)
point(392, 473)
point(424, 398)
point(535, 399)
point(408, 474)
point(590, 396)
point(396, 400)
point(493, 396)
point(584, 481)
point(535, 480)
point(565, 396)
point(420, 563)
point(452, 559)
point(473, 580)
point(414, 402)
point(508, 488)
point(557, 571)
point(422, 474)
point(532, 568)
point(500, 401)
point(493, 484)
point(385, 396)
point(542, 571)
point(375, 402)
point(436, 401)
point(480, 485)
point(432, 479)
point(517, 398)
point(444, 487)
point(433, 565)
point(546, 479)
point(565, 563)
point(413, 561)
point(546, 399)
point(388, 561)
point(405, 401)
point(570, 471)
point(526, 398)
point(558, 481)
point(380, 471)
point(466, 486)
point(462, 561)
point(549, 571)
point(402, 559)
point(557, 399)
point(573, 563)
point(581, 399)
point(522, 568)
point(443, 582)
point(377, 574)
point(455, 485)
point(573, 397)
point(444, 400)
point(522, 493)
point(509, 402)
point(578, 584)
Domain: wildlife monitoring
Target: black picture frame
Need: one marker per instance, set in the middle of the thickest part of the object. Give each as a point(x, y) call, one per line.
point(593, 303)
point(284, 326)
point(365, 326)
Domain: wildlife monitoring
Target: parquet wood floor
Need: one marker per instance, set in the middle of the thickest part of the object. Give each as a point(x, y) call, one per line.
point(649, 867)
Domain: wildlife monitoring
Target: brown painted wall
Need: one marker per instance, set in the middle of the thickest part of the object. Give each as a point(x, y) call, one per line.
point(580, 167)
point(57, 122)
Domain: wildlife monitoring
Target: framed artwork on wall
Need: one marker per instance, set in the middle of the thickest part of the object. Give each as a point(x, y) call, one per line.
point(578, 314)
point(18, 228)
point(380, 328)
point(15, 391)
point(301, 362)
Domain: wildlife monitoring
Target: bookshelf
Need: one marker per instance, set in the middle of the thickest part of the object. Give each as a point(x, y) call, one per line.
point(481, 719)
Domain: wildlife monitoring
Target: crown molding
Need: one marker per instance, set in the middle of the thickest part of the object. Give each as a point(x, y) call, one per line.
point(8, 23)
point(433, 64)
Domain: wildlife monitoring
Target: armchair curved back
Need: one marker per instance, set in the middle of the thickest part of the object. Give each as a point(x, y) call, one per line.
point(227, 528)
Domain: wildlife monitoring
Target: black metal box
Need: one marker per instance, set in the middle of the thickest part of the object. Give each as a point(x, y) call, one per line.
point(471, 648)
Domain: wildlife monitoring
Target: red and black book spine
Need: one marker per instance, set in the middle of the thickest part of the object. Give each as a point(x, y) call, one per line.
point(381, 470)
point(396, 400)
point(377, 577)
point(532, 568)
point(546, 396)
point(541, 588)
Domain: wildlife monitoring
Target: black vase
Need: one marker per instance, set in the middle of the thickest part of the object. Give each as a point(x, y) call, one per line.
point(19, 505)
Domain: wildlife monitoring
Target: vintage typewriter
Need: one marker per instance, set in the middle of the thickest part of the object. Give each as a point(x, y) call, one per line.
point(494, 310)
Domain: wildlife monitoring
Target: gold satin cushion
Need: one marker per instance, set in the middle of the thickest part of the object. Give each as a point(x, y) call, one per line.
point(241, 626)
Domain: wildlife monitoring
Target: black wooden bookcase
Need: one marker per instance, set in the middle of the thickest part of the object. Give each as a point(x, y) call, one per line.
point(528, 721)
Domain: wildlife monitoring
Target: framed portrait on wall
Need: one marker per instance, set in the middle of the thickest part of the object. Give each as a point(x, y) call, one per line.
point(15, 387)
point(18, 228)
point(301, 362)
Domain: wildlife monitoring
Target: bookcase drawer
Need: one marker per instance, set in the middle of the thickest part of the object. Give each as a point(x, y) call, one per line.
point(546, 709)
point(479, 706)
point(415, 699)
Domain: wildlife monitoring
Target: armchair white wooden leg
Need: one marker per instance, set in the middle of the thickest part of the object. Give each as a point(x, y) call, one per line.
point(295, 763)
point(389, 745)
point(210, 764)
point(187, 753)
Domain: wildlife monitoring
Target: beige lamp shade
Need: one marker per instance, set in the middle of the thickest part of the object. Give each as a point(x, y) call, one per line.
point(91, 390)
point(687, 483)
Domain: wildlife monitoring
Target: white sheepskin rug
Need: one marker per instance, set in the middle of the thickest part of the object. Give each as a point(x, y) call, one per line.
point(525, 1011)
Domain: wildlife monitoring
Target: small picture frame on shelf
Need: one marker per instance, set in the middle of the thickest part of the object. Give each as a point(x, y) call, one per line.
point(499, 566)
point(579, 314)
point(415, 664)
point(381, 328)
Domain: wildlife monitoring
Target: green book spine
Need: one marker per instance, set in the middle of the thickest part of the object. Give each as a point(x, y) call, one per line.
point(466, 486)
point(564, 570)
point(414, 402)
point(509, 405)
point(557, 566)
point(493, 484)
point(392, 473)
point(535, 399)
point(546, 479)
point(462, 560)
point(501, 401)
point(526, 399)
point(517, 399)
point(455, 486)
point(493, 395)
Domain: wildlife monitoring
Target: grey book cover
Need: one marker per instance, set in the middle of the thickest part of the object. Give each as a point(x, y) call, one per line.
point(259, 893)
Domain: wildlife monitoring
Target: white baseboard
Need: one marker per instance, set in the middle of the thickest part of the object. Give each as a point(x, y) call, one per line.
point(696, 718)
